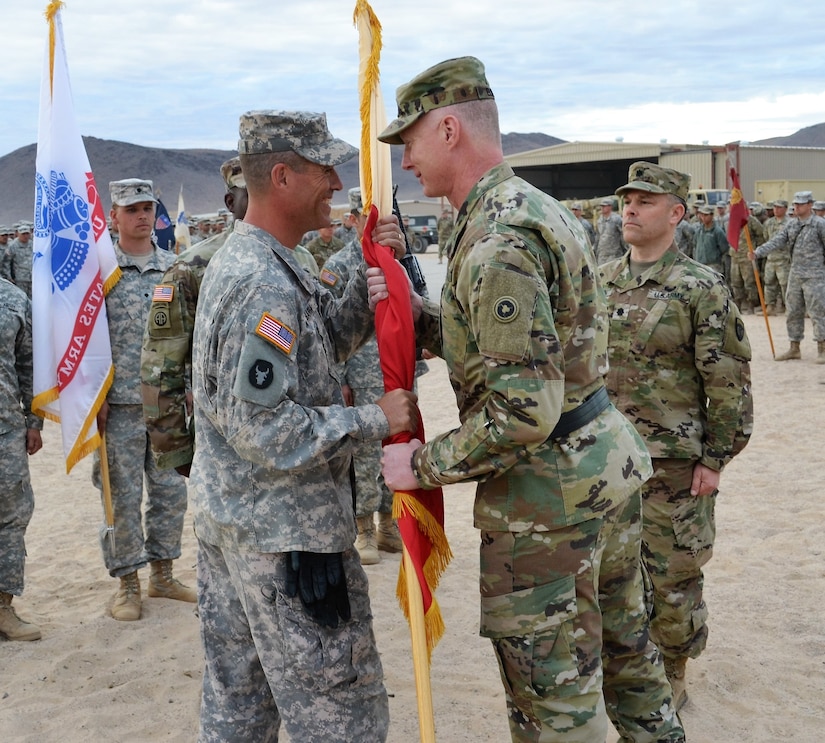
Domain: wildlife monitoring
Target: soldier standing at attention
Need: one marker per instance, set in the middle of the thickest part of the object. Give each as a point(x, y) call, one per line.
point(609, 243)
point(804, 236)
point(444, 226)
point(155, 537)
point(323, 246)
point(559, 468)
point(20, 437)
point(16, 263)
point(167, 342)
point(742, 279)
point(576, 208)
point(679, 370)
point(778, 262)
point(284, 607)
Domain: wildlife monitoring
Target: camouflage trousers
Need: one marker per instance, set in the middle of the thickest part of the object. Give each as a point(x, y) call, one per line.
point(742, 281)
point(268, 663)
point(371, 494)
point(677, 541)
point(777, 268)
point(805, 295)
point(141, 534)
point(16, 509)
point(566, 615)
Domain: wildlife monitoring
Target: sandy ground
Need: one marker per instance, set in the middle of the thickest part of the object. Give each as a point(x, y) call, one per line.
point(762, 677)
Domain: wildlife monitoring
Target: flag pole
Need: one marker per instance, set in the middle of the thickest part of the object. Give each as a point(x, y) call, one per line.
point(759, 287)
point(108, 510)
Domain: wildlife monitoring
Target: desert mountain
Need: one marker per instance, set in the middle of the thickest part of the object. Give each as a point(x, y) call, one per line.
point(196, 170)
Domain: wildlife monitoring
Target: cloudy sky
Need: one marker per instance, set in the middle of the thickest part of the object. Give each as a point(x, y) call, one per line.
point(175, 73)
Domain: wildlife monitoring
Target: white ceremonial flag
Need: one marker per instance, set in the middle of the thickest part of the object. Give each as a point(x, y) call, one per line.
point(182, 237)
point(73, 267)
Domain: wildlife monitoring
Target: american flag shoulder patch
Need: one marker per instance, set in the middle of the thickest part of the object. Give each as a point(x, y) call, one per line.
point(163, 293)
point(328, 277)
point(274, 331)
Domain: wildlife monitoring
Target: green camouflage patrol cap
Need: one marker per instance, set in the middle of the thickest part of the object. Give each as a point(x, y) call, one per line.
point(780, 202)
point(131, 191)
point(302, 132)
point(705, 209)
point(355, 202)
point(453, 81)
point(654, 178)
point(232, 174)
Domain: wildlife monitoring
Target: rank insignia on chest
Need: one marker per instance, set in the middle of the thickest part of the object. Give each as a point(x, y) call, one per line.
point(163, 293)
point(506, 309)
point(328, 277)
point(274, 331)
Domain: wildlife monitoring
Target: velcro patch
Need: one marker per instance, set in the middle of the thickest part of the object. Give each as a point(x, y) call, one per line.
point(274, 331)
point(261, 374)
point(328, 277)
point(163, 293)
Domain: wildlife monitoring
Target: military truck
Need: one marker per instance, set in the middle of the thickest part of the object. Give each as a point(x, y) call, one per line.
point(711, 196)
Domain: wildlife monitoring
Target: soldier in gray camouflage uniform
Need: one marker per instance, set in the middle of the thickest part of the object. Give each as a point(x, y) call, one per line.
point(576, 208)
point(609, 243)
point(283, 599)
point(679, 370)
point(167, 342)
point(20, 437)
point(155, 536)
point(523, 329)
point(804, 237)
point(778, 262)
point(16, 263)
point(364, 383)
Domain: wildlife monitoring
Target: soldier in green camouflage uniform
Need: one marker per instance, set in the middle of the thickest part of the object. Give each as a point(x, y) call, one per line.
point(364, 383)
point(523, 329)
point(167, 342)
point(323, 246)
point(742, 279)
point(19, 438)
point(151, 531)
point(444, 226)
point(16, 261)
point(284, 605)
point(778, 262)
point(679, 370)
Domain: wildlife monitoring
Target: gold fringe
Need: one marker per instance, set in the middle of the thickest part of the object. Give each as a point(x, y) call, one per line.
point(433, 620)
point(406, 503)
point(108, 285)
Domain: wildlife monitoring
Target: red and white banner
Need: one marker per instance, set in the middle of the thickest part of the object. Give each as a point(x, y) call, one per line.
point(73, 267)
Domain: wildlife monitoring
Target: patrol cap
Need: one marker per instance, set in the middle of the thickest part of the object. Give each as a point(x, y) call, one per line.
point(606, 202)
point(24, 227)
point(5, 230)
point(232, 174)
point(819, 205)
point(302, 132)
point(355, 202)
point(654, 178)
point(453, 81)
point(803, 197)
point(705, 210)
point(781, 202)
point(576, 206)
point(131, 191)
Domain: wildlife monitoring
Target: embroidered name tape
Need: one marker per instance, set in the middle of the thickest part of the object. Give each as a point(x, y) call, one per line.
point(163, 293)
point(274, 331)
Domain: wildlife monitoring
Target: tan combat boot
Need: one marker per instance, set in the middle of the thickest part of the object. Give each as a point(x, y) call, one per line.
point(770, 310)
point(675, 672)
point(127, 599)
point(388, 538)
point(365, 541)
point(163, 585)
point(12, 626)
point(820, 352)
point(792, 353)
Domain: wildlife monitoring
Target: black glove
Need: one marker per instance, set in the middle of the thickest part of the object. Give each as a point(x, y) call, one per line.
point(318, 578)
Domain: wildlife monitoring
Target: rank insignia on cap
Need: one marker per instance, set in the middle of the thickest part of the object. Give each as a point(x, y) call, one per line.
point(260, 374)
point(274, 331)
point(163, 293)
point(506, 309)
point(328, 277)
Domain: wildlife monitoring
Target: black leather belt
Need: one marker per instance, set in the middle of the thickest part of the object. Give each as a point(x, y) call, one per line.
point(574, 419)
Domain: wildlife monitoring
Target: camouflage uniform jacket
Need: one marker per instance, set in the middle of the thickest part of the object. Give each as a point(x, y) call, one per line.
point(679, 359)
point(523, 329)
point(711, 245)
point(609, 242)
point(16, 361)
point(127, 308)
point(806, 241)
point(16, 265)
point(363, 368)
point(757, 233)
point(322, 250)
point(273, 439)
point(167, 354)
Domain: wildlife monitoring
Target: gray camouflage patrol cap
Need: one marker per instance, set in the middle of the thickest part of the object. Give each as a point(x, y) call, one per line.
point(355, 202)
point(302, 132)
point(131, 191)
point(780, 202)
point(456, 80)
point(819, 206)
point(705, 210)
point(576, 206)
point(803, 197)
point(654, 178)
point(232, 174)
point(24, 227)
